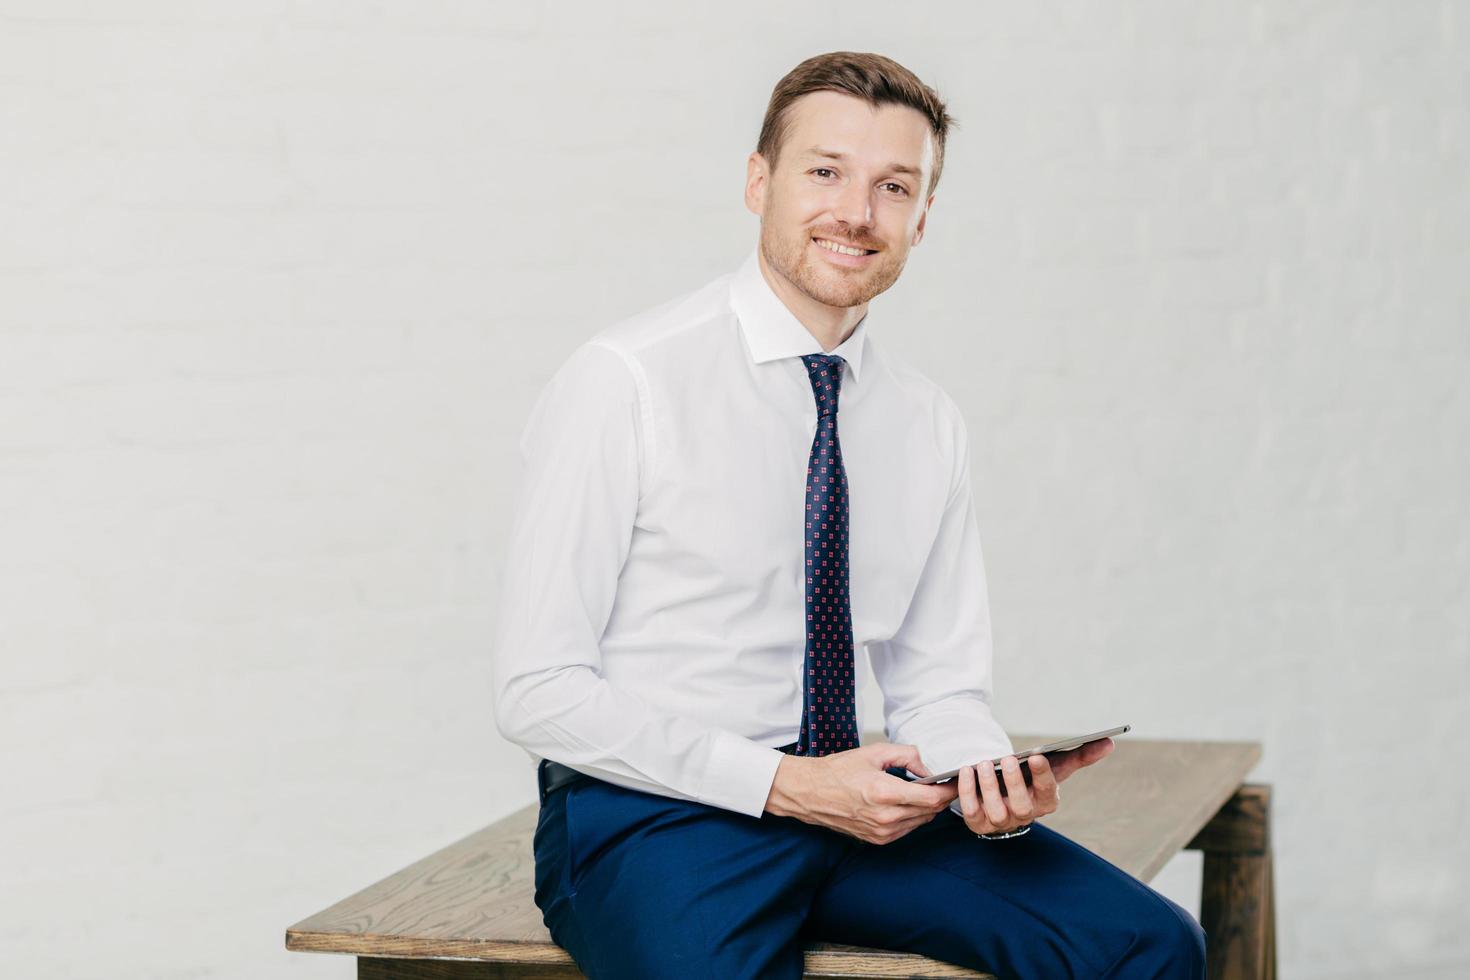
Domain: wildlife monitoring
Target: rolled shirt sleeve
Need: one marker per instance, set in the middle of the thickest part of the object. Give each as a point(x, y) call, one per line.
point(582, 450)
point(935, 671)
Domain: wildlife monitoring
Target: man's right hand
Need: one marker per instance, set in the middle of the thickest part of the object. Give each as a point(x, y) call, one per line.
point(849, 792)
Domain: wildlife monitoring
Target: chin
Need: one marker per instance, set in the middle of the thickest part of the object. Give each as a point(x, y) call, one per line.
point(842, 288)
point(837, 291)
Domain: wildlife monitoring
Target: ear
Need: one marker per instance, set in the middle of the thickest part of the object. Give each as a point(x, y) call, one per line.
point(756, 175)
point(919, 228)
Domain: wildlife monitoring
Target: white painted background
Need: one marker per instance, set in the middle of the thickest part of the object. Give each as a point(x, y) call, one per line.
point(279, 282)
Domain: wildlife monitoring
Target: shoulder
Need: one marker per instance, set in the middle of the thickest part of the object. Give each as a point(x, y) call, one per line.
point(594, 374)
point(612, 363)
point(668, 331)
point(607, 378)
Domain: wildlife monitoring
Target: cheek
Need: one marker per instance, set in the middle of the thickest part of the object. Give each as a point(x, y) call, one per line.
point(806, 207)
point(901, 226)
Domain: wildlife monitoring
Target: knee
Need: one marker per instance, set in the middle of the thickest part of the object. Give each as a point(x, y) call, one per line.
point(1169, 943)
point(1186, 944)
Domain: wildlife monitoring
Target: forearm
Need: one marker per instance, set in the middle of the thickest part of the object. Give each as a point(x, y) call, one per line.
point(574, 716)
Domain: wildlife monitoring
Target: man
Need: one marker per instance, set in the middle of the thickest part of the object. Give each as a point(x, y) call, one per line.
point(696, 556)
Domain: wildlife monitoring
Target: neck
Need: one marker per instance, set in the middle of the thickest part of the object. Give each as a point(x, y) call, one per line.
point(831, 325)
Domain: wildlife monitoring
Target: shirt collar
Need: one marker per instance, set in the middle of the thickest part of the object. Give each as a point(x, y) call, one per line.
point(772, 331)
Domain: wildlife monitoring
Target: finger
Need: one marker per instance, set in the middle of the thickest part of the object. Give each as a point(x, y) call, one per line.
point(892, 832)
point(1060, 764)
point(1044, 788)
point(990, 799)
point(951, 791)
point(978, 820)
point(916, 820)
point(1063, 764)
point(914, 823)
point(889, 755)
point(1066, 763)
point(969, 796)
point(894, 822)
point(1019, 798)
point(928, 796)
point(890, 815)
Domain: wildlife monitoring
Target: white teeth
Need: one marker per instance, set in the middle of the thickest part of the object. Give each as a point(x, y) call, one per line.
point(834, 247)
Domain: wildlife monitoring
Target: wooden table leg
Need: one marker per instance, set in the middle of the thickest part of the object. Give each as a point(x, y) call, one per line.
point(1237, 906)
point(383, 968)
point(1270, 919)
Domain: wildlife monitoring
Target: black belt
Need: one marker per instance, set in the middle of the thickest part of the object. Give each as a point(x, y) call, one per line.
point(555, 776)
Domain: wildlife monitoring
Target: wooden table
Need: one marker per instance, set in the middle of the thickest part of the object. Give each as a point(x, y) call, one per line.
point(466, 911)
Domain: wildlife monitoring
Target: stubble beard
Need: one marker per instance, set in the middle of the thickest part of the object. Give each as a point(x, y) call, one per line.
point(828, 283)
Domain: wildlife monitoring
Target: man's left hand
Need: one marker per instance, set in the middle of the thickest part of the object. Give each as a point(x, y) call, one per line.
point(987, 812)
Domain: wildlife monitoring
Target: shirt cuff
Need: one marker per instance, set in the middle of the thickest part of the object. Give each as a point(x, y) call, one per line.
point(740, 774)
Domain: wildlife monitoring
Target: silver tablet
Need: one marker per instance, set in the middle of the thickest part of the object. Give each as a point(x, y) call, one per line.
point(1061, 746)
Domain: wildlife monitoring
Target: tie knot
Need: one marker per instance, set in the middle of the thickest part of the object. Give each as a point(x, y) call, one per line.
point(825, 373)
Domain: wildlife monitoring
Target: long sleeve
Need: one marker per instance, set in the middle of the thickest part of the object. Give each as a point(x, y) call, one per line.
point(571, 534)
point(935, 671)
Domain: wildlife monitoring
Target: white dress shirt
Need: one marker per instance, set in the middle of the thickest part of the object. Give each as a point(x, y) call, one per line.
point(652, 623)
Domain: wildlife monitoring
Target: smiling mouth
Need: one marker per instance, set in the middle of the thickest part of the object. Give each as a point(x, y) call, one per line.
point(841, 248)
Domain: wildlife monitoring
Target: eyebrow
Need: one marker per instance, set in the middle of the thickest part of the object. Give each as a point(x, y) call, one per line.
point(898, 168)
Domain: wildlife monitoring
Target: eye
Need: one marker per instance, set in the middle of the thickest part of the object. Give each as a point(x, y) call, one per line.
point(901, 188)
point(819, 170)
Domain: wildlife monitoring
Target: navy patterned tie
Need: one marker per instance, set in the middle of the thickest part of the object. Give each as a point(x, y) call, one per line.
point(829, 709)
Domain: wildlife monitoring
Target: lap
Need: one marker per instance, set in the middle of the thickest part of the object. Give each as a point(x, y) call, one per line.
point(638, 885)
point(1039, 905)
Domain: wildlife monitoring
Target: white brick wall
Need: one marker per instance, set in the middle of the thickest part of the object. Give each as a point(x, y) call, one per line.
point(279, 281)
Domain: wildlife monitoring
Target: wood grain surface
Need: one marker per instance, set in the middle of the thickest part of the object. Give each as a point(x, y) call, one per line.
point(472, 900)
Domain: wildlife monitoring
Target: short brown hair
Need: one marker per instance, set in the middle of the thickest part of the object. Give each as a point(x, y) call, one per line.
point(873, 77)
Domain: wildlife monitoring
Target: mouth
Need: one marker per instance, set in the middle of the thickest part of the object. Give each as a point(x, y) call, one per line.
point(842, 253)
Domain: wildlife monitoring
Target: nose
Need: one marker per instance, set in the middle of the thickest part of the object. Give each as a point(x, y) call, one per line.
point(854, 205)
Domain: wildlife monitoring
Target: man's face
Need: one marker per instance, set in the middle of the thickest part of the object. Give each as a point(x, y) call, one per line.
point(870, 195)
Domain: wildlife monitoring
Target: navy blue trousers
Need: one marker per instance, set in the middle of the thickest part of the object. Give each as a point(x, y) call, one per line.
point(645, 887)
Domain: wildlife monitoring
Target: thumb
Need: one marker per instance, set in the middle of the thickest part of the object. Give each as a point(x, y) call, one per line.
point(891, 754)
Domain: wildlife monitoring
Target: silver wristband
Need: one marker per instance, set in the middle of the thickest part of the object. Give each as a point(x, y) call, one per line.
point(1023, 829)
